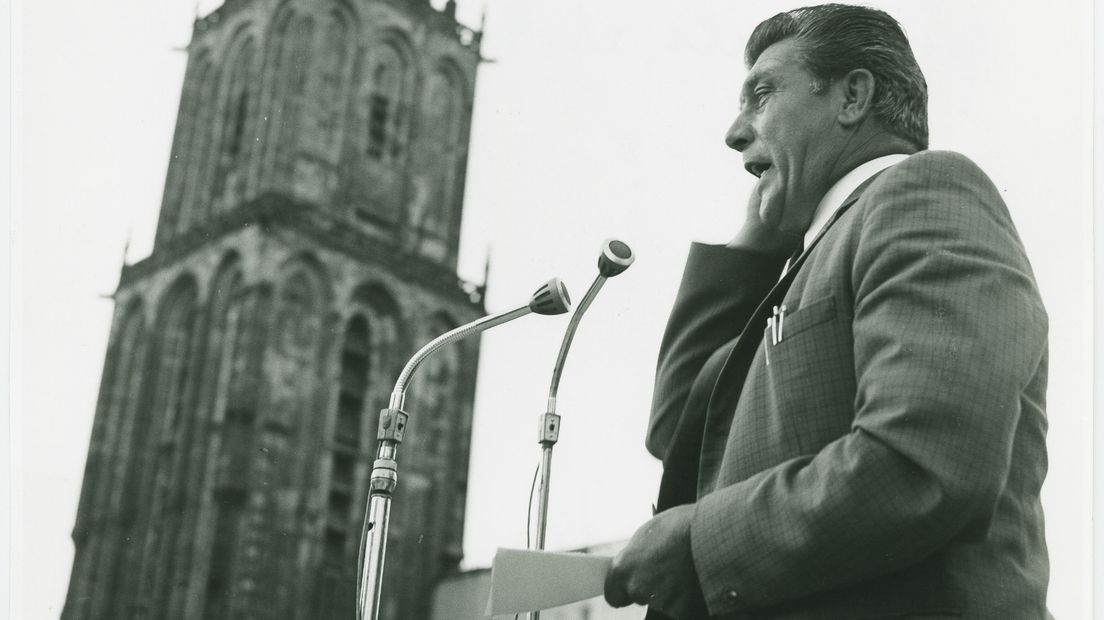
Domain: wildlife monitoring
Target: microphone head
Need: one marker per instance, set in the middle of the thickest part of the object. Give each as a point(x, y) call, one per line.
point(550, 298)
point(616, 257)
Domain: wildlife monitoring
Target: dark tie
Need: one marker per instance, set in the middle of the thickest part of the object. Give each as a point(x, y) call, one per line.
point(793, 258)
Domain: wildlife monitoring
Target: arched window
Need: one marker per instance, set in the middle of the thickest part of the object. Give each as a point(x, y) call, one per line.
point(294, 39)
point(347, 440)
point(153, 440)
point(176, 370)
point(330, 92)
point(348, 446)
point(248, 326)
point(236, 122)
point(177, 379)
point(386, 348)
point(433, 197)
point(182, 535)
point(294, 358)
point(384, 107)
point(377, 183)
point(354, 382)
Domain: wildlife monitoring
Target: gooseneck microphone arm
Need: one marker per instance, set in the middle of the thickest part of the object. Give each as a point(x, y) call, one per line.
point(551, 298)
point(615, 258)
point(398, 395)
point(557, 370)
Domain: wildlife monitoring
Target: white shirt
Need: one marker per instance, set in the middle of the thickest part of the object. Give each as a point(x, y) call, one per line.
point(833, 199)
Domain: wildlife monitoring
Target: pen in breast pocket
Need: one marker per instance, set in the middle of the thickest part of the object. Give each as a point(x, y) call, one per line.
point(781, 321)
point(766, 348)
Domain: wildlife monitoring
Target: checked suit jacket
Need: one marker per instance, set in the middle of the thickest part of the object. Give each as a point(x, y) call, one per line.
point(885, 458)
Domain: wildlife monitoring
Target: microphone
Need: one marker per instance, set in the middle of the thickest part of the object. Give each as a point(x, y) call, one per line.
point(551, 298)
point(615, 258)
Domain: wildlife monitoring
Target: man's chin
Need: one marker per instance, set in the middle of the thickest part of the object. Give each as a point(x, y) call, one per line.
point(770, 214)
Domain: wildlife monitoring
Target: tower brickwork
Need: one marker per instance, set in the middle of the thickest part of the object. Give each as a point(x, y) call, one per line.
point(306, 247)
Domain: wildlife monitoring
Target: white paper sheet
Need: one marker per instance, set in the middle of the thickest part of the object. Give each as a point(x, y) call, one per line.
point(524, 580)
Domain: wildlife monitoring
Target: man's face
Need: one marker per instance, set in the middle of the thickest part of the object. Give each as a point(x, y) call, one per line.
point(788, 135)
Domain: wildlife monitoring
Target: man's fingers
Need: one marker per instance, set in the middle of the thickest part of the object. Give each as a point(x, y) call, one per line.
point(641, 596)
point(615, 589)
point(622, 589)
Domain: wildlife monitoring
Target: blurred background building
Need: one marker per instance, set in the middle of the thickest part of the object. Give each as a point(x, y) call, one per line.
point(306, 247)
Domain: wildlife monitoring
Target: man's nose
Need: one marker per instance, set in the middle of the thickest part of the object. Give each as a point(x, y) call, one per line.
point(739, 135)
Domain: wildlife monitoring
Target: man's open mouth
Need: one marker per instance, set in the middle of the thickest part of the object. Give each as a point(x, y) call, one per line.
point(757, 168)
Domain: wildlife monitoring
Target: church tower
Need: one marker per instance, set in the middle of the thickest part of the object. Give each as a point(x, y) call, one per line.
point(306, 247)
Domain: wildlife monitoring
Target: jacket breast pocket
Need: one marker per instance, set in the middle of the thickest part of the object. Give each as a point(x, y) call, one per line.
point(811, 373)
point(808, 315)
point(794, 330)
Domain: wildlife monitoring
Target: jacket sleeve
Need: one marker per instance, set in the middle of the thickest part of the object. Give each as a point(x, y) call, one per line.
point(720, 289)
point(948, 330)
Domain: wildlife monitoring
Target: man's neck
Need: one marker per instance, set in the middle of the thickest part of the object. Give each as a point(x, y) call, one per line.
point(837, 195)
point(866, 145)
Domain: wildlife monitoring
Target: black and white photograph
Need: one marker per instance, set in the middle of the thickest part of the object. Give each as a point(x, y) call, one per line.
point(464, 309)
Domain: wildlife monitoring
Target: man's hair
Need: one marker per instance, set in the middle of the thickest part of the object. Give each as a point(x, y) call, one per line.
point(834, 39)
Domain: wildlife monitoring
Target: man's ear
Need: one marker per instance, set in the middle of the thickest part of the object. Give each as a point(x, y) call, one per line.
point(858, 96)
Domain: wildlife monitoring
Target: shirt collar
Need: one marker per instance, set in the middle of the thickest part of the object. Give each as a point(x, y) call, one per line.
point(839, 192)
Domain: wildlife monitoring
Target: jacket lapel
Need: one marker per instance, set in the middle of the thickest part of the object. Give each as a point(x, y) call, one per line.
point(681, 467)
point(730, 380)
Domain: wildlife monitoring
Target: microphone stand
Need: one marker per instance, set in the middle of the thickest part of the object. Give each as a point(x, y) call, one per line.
point(550, 420)
point(615, 258)
point(549, 299)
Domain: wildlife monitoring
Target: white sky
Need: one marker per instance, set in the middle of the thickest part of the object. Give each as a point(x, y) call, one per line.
point(597, 119)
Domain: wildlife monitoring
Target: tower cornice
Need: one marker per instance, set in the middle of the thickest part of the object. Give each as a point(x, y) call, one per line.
point(444, 21)
point(273, 211)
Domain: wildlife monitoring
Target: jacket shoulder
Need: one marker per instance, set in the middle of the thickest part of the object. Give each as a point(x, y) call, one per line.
point(935, 180)
point(936, 168)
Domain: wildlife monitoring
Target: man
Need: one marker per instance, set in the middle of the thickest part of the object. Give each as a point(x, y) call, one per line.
point(863, 434)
